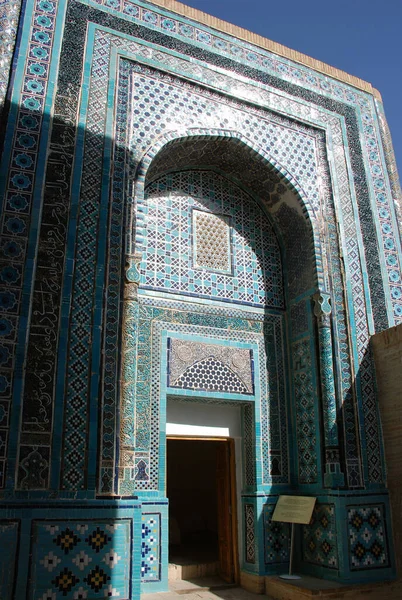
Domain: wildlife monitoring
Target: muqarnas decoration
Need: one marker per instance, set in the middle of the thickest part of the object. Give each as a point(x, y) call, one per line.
point(212, 367)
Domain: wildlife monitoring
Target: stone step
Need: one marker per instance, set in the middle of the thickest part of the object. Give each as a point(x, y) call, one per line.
point(192, 571)
point(311, 588)
point(204, 584)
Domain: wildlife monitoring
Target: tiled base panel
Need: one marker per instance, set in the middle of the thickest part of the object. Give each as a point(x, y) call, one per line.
point(348, 538)
point(114, 550)
point(74, 551)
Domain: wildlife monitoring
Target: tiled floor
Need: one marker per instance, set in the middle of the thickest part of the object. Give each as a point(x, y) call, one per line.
point(205, 589)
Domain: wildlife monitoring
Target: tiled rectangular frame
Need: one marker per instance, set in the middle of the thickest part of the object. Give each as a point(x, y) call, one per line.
point(155, 320)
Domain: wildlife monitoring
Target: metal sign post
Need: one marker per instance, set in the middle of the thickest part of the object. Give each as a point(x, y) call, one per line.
point(294, 510)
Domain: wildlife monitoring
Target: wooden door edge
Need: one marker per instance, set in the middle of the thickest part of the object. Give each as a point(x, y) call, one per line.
point(233, 500)
point(233, 492)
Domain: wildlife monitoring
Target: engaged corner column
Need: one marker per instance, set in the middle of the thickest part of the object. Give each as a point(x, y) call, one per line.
point(333, 476)
point(128, 382)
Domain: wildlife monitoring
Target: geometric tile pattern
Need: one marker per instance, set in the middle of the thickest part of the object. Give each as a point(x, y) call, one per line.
point(276, 538)
point(249, 444)
point(249, 518)
point(347, 399)
point(81, 559)
point(168, 254)
point(274, 417)
point(294, 145)
point(80, 348)
point(211, 375)
point(328, 397)
point(320, 539)
point(368, 542)
point(299, 318)
point(287, 72)
point(9, 538)
point(306, 413)
point(157, 315)
point(111, 358)
point(18, 190)
point(231, 366)
point(211, 241)
point(151, 547)
point(301, 76)
point(152, 322)
point(329, 86)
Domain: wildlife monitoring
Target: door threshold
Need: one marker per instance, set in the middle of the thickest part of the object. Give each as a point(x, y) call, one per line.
point(199, 584)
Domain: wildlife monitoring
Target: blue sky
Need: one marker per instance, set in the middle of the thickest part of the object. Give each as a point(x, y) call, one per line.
point(361, 37)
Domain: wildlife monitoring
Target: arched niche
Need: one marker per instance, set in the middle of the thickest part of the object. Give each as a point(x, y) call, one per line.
point(234, 156)
point(300, 234)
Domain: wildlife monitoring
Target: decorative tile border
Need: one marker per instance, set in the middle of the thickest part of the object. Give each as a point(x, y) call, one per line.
point(249, 529)
point(226, 45)
point(306, 403)
point(19, 168)
point(151, 547)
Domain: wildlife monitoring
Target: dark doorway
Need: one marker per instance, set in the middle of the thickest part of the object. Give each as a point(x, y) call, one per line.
point(202, 512)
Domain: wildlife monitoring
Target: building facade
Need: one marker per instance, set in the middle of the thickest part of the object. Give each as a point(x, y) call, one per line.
point(199, 236)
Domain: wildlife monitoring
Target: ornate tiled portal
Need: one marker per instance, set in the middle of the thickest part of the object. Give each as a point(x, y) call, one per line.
point(185, 214)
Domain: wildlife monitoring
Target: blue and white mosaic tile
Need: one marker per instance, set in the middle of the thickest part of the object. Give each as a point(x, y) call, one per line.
point(170, 255)
point(276, 538)
point(80, 560)
point(320, 544)
point(63, 239)
point(151, 547)
point(368, 542)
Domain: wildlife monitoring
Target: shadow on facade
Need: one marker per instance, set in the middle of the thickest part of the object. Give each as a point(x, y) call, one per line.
point(72, 486)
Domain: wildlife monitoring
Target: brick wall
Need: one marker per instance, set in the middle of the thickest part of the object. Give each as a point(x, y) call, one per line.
point(387, 347)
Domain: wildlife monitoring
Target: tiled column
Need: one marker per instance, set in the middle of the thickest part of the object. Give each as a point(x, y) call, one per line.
point(129, 376)
point(333, 476)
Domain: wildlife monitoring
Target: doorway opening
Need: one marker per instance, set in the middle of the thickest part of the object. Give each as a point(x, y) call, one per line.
point(202, 506)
